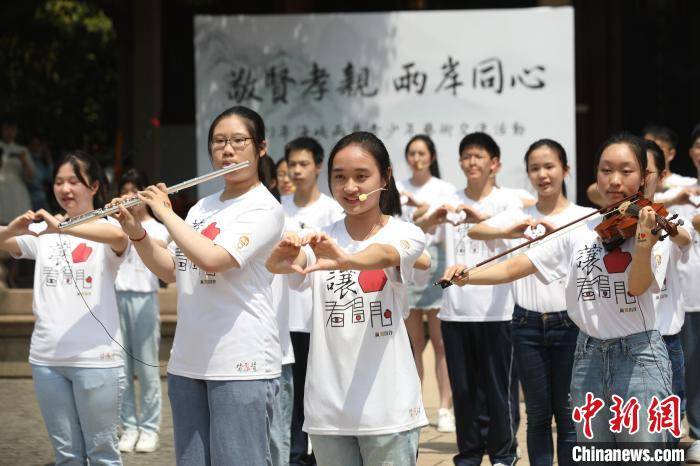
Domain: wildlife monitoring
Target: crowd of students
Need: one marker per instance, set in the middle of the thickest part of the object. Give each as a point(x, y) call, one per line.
point(301, 316)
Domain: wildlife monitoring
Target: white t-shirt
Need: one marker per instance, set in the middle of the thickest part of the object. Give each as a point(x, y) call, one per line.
point(133, 274)
point(520, 193)
point(529, 292)
point(435, 192)
point(689, 271)
point(361, 377)
point(471, 303)
point(597, 281)
point(65, 334)
point(227, 326)
point(667, 302)
point(281, 302)
point(315, 216)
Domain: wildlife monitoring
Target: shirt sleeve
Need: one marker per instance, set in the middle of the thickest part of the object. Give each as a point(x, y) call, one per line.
point(28, 245)
point(252, 232)
point(506, 218)
point(551, 258)
point(158, 232)
point(409, 241)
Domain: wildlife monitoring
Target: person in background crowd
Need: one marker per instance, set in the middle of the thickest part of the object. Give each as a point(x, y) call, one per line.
point(139, 315)
point(425, 190)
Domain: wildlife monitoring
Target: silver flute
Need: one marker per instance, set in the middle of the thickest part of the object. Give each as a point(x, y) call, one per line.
point(110, 209)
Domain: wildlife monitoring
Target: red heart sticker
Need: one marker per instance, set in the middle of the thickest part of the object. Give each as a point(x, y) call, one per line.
point(211, 231)
point(617, 261)
point(81, 253)
point(372, 280)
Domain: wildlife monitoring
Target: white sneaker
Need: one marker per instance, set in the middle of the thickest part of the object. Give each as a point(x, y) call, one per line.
point(446, 421)
point(692, 454)
point(148, 442)
point(128, 440)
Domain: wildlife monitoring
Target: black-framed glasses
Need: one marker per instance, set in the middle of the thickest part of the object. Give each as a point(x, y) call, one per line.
point(237, 142)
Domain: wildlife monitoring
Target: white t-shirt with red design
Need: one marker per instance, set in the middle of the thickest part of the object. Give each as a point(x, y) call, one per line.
point(361, 377)
point(65, 334)
point(319, 214)
point(227, 326)
point(133, 274)
point(597, 286)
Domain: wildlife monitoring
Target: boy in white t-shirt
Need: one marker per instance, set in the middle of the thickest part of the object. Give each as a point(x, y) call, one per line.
point(311, 209)
point(690, 333)
point(476, 320)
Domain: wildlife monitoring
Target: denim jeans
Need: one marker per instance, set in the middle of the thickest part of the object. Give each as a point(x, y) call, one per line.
point(80, 407)
point(399, 449)
point(636, 365)
point(140, 323)
point(484, 385)
point(280, 430)
point(222, 422)
point(690, 335)
point(544, 345)
point(299, 441)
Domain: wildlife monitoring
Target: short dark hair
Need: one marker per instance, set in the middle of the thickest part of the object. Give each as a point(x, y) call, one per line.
point(656, 153)
point(305, 143)
point(134, 176)
point(695, 134)
point(662, 133)
point(267, 173)
point(482, 141)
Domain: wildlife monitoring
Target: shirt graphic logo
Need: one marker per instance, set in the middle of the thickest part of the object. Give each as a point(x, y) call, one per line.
point(243, 241)
point(617, 261)
point(81, 253)
point(372, 280)
point(211, 231)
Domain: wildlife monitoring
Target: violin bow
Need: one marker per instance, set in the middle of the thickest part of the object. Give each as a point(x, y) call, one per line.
point(603, 210)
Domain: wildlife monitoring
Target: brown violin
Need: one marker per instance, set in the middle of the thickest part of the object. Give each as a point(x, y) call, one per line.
point(621, 223)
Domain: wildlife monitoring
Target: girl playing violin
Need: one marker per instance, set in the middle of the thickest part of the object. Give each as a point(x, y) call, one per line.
point(544, 337)
point(609, 297)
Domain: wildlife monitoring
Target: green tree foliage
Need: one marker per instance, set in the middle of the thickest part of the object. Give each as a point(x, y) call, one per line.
point(58, 71)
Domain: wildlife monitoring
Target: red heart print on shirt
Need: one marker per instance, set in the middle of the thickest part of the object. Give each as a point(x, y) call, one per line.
point(617, 261)
point(372, 280)
point(81, 253)
point(211, 231)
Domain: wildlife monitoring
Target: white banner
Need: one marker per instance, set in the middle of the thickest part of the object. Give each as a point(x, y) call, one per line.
point(509, 73)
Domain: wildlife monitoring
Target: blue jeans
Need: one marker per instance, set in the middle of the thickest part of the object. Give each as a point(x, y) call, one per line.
point(222, 422)
point(280, 431)
point(690, 335)
point(399, 449)
point(140, 324)
point(544, 345)
point(636, 365)
point(80, 407)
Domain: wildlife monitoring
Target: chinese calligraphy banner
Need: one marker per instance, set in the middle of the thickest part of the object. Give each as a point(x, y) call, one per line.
point(507, 72)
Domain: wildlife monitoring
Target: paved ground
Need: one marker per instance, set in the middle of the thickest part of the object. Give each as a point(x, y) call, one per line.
point(23, 438)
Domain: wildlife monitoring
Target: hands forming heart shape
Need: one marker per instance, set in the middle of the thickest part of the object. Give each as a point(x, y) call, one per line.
point(534, 231)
